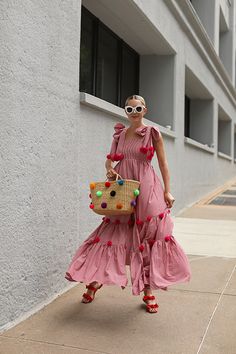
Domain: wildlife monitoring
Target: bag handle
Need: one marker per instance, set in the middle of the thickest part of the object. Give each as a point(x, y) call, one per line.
point(117, 175)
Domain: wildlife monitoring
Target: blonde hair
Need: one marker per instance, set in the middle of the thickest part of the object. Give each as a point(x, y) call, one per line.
point(135, 97)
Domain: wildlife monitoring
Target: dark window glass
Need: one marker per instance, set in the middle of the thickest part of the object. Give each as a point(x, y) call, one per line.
point(130, 76)
point(86, 53)
point(107, 66)
point(187, 117)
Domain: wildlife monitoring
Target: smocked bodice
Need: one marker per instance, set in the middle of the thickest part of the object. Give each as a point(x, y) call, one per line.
point(133, 149)
point(140, 147)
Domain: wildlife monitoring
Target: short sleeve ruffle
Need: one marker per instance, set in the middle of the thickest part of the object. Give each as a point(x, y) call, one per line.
point(155, 132)
point(119, 127)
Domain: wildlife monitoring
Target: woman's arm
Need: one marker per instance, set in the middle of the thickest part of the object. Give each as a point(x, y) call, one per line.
point(108, 164)
point(163, 164)
point(162, 161)
point(111, 173)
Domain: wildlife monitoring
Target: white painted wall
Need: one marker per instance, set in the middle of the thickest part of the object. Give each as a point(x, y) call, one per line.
point(53, 145)
point(40, 145)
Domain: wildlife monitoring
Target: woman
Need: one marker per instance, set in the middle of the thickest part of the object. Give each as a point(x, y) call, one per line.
point(144, 240)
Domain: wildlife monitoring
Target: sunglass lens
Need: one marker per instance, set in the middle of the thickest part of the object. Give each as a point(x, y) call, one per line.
point(139, 109)
point(129, 109)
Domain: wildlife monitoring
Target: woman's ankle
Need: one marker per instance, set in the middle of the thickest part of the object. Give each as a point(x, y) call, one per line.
point(95, 284)
point(147, 290)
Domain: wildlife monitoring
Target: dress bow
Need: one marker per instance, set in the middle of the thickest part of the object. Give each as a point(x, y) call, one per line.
point(119, 127)
point(141, 131)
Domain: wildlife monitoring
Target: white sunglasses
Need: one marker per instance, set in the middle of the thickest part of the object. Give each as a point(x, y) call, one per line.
point(131, 109)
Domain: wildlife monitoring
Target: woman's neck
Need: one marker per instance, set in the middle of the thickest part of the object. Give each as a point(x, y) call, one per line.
point(135, 126)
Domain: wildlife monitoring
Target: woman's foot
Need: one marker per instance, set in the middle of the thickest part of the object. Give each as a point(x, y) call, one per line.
point(150, 300)
point(91, 290)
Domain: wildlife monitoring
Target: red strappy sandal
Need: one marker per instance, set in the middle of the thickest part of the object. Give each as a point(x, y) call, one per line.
point(149, 307)
point(87, 296)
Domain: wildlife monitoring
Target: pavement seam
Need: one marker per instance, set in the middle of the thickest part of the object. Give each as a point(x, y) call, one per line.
point(196, 259)
point(202, 292)
point(57, 344)
point(214, 311)
point(191, 291)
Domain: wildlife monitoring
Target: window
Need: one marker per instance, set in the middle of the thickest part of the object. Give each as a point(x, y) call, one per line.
point(86, 54)
point(130, 73)
point(199, 110)
point(109, 68)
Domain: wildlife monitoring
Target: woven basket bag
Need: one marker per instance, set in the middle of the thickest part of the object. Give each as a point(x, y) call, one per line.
point(116, 197)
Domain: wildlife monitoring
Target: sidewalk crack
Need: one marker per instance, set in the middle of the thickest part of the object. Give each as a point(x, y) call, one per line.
point(214, 311)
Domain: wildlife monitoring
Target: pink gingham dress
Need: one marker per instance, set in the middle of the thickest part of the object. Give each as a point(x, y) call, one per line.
point(144, 240)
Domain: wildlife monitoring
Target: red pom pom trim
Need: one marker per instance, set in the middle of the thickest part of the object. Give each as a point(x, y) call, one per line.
point(143, 149)
point(117, 157)
point(96, 239)
point(141, 248)
point(168, 238)
point(109, 243)
point(151, 242)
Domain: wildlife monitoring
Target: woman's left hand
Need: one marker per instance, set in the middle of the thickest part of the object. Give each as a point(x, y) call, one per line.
point(169, 199)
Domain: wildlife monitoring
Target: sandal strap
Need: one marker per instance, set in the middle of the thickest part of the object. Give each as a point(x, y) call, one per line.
point(87, 297)
point(90, 287)
point(152, 306)
point(148, 297)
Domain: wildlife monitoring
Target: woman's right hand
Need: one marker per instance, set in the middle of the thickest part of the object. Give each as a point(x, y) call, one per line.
point(111, 174)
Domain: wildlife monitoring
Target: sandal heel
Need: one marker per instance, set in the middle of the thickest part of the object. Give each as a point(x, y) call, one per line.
point(87, 296)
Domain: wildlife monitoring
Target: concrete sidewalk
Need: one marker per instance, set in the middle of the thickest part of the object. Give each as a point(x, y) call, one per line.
point(199, 317)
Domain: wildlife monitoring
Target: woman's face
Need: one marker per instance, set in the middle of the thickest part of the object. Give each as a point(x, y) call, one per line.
point(134, 116)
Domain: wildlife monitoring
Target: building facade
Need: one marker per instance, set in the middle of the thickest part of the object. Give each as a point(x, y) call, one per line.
point(67, 68)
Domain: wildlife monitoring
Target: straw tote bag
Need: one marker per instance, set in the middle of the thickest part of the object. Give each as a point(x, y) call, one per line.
point(116, 197)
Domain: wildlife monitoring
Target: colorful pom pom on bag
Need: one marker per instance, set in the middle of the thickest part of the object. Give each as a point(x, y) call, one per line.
point(116, 197)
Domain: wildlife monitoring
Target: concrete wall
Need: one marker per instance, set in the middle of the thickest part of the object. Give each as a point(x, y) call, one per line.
point(157, 84)
point(206, 10)
point(52, 144)
point(40, 136)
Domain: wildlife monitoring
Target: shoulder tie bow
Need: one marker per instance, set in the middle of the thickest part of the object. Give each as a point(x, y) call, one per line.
point(141, 131)
point(119, 127)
